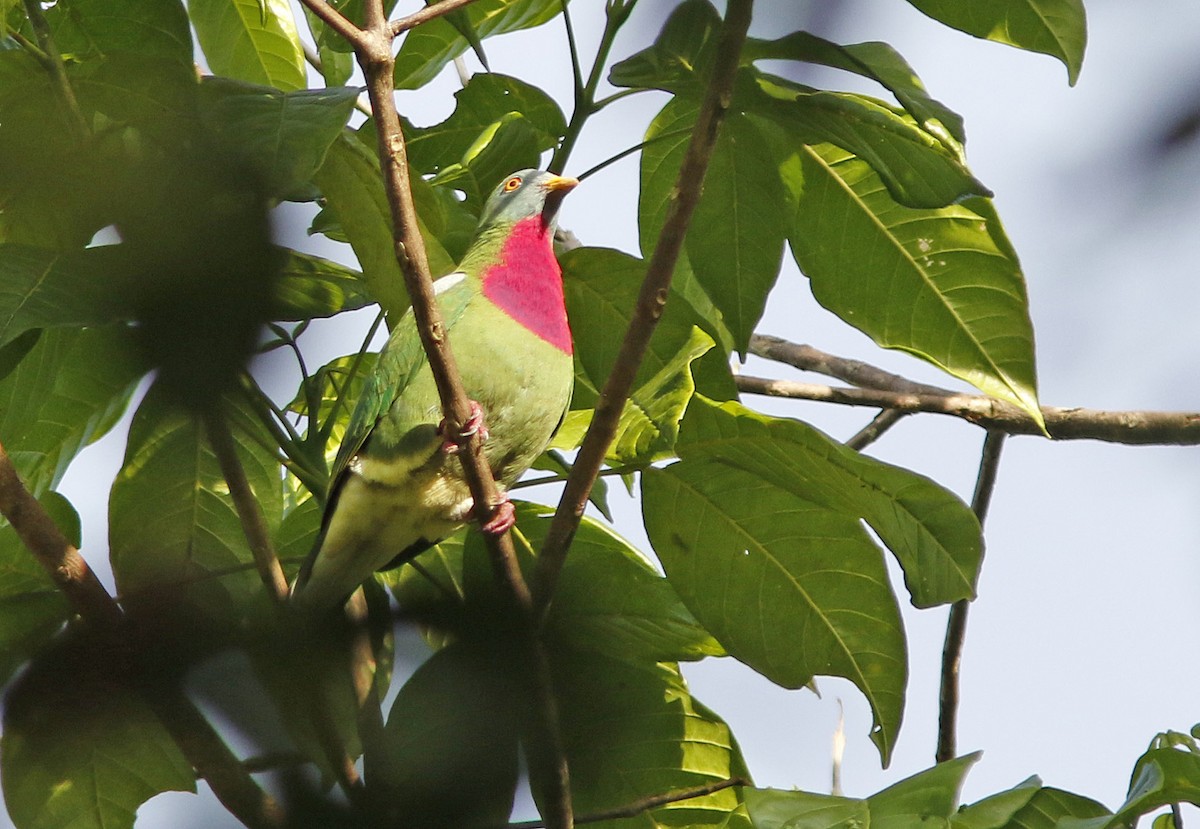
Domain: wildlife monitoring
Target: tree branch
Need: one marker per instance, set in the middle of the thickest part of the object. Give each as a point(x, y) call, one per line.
point(645, 804)
point(854, 372)
point(428, 13)
point(956, 625)
point(200, 744)
point(337, 21)
point(374, 53)
point(1125, 427)
point(254, 525)
point(57, 69)
point(651, 301)
point(874, 430)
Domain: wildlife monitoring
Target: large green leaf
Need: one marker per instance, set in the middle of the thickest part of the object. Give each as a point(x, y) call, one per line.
point(1051, 808)
point(788, 587)
point(996, 811)
point(1162, 776)
point(430, 46)
point(610, 600)
point(927, 799)
point(69, 390)
point(93, 770)
point(1052, 27)
point(251, 40)
point(486, 99)
point(174, 534)
point(680, 54)
point(511, 143)
point(942, 284)
point(451, 741)
point(353, 187)
point(933, 534)
point(735, 241)
point(874, 60)
point(32, 607)
point(286, 134)
point(634, 731)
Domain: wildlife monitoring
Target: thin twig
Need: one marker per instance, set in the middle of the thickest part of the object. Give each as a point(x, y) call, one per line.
point(651, 301)
point(854, 372)
point(254, 525)
point(57, 69)
point(1129, 427)
point(335, 20)
point(870, 433)
point(644, 804)
point(1177, 816)
point(426, 14)
point(956, 625)
point(199, 743)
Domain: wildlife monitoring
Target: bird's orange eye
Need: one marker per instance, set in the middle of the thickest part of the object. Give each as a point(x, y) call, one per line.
point(512, 184)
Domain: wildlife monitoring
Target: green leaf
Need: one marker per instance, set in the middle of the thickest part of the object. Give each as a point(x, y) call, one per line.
point(919, 167)
point(310, 286)
point(251, 40)
point(610, 600)
point(735, 241)
point(451, 741)
point(352, 184)
point(600, 287)
point(874, 60)
point(927, 799)
point(934, 535)
point(173, 529)
point(1049, 809)
point(285, 133)
point(430, 46)
point(1162, 776)
point(996, 811)
point(32, 608)
point(112, 758)
point(508, 144)
point(68, 391)
point(486, 99)
point(96, 29)
point(553, 461)
point(634, 731)
point(789, 588)
point(679, 55)
point(955, 295)
point(1052, 27)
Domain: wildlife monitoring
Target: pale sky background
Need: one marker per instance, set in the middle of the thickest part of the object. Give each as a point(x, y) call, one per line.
point(1081, 645)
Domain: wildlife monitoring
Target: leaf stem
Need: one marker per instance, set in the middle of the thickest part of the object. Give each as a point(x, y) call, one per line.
point(650, 303)
point(58, 71)
point(630, 151)
point(576, 68)
point(585, 94)
point(645, 804)
point(956, 625)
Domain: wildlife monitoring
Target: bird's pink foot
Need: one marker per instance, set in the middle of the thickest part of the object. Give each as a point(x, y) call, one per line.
point(474, 424)
point(502, 519)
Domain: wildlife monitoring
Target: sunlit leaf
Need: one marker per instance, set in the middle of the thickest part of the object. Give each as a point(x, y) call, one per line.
point(430, 46)
point(251, 40)
point(996, 811)
point(1053, 27)
point(942, 284)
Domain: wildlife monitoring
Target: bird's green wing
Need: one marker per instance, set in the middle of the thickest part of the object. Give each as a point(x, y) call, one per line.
point(401, 359)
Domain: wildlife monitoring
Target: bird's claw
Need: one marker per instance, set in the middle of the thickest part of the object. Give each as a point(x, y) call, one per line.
point(503, 518)
point(474, 424)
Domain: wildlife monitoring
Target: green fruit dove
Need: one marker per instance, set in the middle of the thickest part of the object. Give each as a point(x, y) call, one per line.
point(397, 488)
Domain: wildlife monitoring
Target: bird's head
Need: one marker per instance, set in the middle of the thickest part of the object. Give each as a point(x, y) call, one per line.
point(525, 194)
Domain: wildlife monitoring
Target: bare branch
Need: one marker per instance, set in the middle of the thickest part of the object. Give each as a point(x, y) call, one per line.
point(428, 13)
point(645, 804)
point(254, 525)
point(956, 625)
point(854, 372)
point(1130, 427)
point(651, 301)
point(870, 433)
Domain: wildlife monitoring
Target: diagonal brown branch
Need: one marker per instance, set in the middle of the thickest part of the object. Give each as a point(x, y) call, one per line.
point(426, 14)
point(200, 744)
point(1127, 427)
point(254, 525)
point(651, 301)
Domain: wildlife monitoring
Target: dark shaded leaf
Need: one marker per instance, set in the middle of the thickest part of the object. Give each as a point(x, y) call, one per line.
point(114, 756)
point(679, 56)
point(286, 134)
